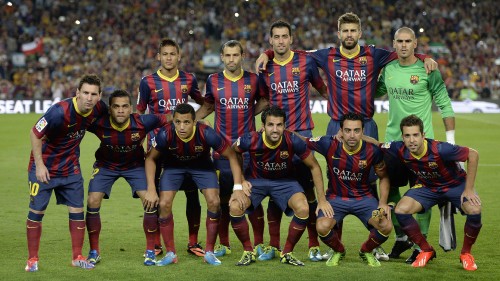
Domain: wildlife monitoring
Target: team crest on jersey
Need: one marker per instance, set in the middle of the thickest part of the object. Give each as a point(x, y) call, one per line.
point(362, 60)
point(295, 71)
point(247, 88)
point(362, 164)
point(414, 79)
point(284, 154)
point(135, 136)
point(315, 139)
point(184, 89)
point(198, 148)
point(433, 165)
point(41, 124)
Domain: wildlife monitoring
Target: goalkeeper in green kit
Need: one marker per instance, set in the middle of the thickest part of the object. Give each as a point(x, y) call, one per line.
point(411, 90)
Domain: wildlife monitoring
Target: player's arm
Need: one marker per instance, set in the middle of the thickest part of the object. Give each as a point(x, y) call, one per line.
point(469, 192)
point(370, 140)
point(429, 63)
point(42, 173)
point(240, 192)
point(384, 186)
point(440, 95)
point(151, 198)
point(323, 205)
point(261, 104)
point(205, 110)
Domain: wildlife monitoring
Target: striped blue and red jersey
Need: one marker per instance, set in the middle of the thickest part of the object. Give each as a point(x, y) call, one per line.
point(286, 85)
point(61, 129)
point(194, 152)
point(351, 79)
point(122, 148)
point(437, 167)
point(272, 161)
point(161, 94)
point(234, 103)
point(348, 171)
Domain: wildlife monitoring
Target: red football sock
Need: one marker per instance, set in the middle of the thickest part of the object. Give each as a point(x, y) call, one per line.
point(240, 227)
point(374, 240)
point(193, 215)
point(150, 226)
point(212, 225)
point(274, 215)
point(332, 240)
point(93, 221)
point(33, 234)
point(77, 231)
point(311, 225)
point(295, 231)
point(256, 218)
point(167, 232)
point(224, 225)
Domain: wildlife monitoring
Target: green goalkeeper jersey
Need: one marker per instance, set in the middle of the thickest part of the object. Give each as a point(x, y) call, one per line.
point(411, 91)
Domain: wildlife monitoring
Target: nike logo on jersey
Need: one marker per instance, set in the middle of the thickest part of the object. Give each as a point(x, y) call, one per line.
point(172, 148)
point(212, 219)
point(270, 74)
point(336, 60)
point(105, 137)
point(156, 91)
point(71, 125)
point(389, 78)
point(218, 89)
point(335, 158)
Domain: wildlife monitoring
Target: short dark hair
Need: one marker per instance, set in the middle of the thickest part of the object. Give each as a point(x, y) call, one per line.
point(231, 43)
point(349, 18)
point(352, 116)
point(119, 94)
point(279, 24)
point(273, 111)
point(184, 108)
point(410, 121)
point(90, 79)
point(168, 42)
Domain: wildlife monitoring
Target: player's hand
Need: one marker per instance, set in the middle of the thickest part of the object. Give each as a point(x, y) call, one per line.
point(42, 174)
point(151, 200)
point(238, 197)
point(472, 198)
point(387, 210)
point(247, 187)
point(430, 65)
point(326, 208)
point(338, 135)
point(261, 62)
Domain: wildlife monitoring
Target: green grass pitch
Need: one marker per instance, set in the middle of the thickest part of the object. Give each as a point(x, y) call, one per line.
point(123, 242)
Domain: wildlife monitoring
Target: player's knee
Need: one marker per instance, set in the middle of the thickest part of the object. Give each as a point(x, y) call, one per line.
point(94, 200)
point(471, 209)
point(324, 225)
point(301, 210)
point(402, 209)
point(235, 210)
point(165, 205)
point(213, 202)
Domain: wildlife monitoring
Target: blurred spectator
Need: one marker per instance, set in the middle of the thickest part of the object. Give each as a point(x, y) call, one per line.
point(119, 39)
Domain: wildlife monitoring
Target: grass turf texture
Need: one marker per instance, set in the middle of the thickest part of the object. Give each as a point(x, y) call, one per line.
point(123, 242)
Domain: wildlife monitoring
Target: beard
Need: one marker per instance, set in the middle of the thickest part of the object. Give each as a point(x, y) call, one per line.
point(349, 45)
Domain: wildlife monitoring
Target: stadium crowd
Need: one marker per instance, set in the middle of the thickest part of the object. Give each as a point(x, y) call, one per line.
point(119, 39)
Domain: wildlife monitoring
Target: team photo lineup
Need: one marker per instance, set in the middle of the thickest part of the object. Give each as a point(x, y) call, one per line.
point(261, 148)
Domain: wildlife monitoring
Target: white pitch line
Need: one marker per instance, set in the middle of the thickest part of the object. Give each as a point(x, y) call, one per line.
point(489, 165)
point(480, 118)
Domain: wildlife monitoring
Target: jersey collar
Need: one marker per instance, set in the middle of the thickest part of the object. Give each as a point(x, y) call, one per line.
point(358, 49)
point(268, 144)
point(425, 144)
point(169, 79)
point(232, 78)
point(189, 138)
point(119, 128)
point(355, 150)
point(282, 63)
point(75, 104)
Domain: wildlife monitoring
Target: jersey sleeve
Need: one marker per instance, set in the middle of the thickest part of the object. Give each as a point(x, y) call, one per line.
point(382, 56)
point(51, 120)
point(319, 144)
point(300, 147)
point(144, 95)
point(209, 95)
point(153, 121)
point(450, 152)
point(160, 139)
point(312, 70)
point(243, 143)
point(440, 94)
point(381, 87)
point(263, 88)
point(213, 139)
point(195, 93)
point(391, 148)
